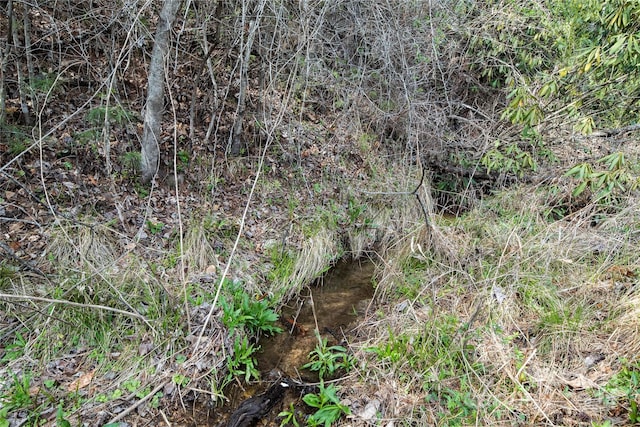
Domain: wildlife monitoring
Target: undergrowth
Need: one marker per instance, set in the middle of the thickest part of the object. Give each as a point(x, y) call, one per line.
point(519, 317)
point(501, 315)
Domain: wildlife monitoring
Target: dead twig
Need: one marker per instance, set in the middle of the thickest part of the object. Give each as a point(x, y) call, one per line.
point(73, 304)
point(612, 132)
point(409, 193)
point(132, 408)
point(26, 264)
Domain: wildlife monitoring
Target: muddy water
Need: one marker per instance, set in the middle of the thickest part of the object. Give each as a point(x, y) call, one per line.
point(332, 306)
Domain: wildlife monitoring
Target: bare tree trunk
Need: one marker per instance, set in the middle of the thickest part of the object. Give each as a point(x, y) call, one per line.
point(4, 58)
point(26, 20)
point(13, 24)
point(236, 137)
point(155, 92)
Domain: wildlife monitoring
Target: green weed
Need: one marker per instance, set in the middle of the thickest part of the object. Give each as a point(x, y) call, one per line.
point(241, 310)
point(87, 136)
point(508, 159)
point(141, 190)
point(392, 350)
point(15, 349)
point(61, 421)
point(183, 160)
point(17, 146)
point(114, 114)
point(44, 82)
point(131, 161)
point(624, 389)
point(283, 262)
point(615, 180)
point(327, 404)
point(355, 211)
point(242, 362)
point(289, 417)
point(326, 360)
point(155, 227)
point(17, 397)
point(461, 408)
point(180, 380)
point(220, 226)
point(17, 137)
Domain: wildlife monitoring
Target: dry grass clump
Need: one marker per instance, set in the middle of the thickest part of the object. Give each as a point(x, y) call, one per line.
point(103, 312)
point(202, 243)
point(528, 321)
point(82, 245)
point(314, 258)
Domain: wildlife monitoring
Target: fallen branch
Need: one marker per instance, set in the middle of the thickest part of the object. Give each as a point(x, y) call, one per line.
point(612, 132)
point(27, 264)
point(132, 408)
point(408, 193)
point(71, 303)
point(420, 202)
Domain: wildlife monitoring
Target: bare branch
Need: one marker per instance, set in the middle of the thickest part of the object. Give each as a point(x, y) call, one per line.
point(73, 304)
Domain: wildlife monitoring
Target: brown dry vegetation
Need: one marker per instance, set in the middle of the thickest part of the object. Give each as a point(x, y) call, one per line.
point(522, 309)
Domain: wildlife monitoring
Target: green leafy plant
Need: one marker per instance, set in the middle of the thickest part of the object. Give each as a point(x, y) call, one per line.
point(17, 146)
point(87, 136)
point(44, 82)
point(132, 386)
point(131, 161)
point(17, 397)
point(15, 349)
point(289, 417)
point(355, 211)
point(113, 395)
point(61, 421)
point(241, 362)
point(570, 60)
point(624, 388)
point(241, 310)
point(17, 139)
point(155, 400)
point(155, 227)
point(461, 407)
point(183, 160)
point(604, 184)
point(141, 190)
point(327, 404)
point(115, 114)
point(327, 360)
point(180, 380)
point(508, 159)
point(283, 262)
point(392, 350)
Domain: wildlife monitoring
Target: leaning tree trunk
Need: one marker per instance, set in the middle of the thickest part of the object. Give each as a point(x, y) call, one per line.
point(155, 92)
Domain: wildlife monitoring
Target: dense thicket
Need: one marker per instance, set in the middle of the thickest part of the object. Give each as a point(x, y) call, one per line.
point(435, 81)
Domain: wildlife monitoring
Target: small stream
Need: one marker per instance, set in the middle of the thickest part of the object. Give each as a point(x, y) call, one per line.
point(333, 306)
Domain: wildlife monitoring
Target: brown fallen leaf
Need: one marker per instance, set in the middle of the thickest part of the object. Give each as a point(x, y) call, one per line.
point(580, 382)
point(81, 382)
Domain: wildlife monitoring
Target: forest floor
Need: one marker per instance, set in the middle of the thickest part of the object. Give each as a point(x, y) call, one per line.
point(523, 309)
